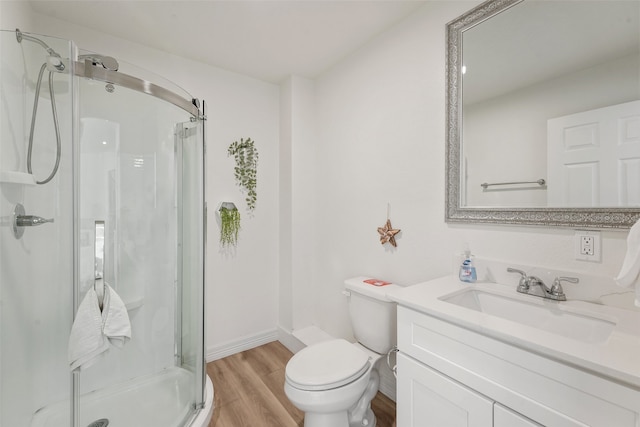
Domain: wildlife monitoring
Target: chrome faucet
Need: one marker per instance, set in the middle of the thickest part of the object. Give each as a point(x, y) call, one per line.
point(528, 283)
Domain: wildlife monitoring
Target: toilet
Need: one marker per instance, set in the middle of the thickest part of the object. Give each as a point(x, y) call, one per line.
point(334, 381)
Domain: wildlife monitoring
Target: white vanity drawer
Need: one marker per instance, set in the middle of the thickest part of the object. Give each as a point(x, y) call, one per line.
point(428, 398)
point(549, 392)
point(505, 417)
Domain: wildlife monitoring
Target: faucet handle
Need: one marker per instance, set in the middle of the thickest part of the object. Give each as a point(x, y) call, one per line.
point(556, 288)
point(567, 279)
point(515, 270)
point(523, 285)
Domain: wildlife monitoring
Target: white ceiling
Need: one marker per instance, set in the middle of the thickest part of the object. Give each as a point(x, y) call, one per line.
point(267, 39)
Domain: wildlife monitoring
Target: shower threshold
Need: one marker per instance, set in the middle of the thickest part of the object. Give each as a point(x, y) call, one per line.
point(160, 399)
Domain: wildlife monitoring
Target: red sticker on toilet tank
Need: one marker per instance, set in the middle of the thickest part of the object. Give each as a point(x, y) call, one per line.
point(376, 282)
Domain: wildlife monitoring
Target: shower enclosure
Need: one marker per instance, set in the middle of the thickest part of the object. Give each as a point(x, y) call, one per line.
point(101, 183)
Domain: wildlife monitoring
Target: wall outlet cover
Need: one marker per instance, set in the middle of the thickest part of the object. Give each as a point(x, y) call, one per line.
point(588, 246)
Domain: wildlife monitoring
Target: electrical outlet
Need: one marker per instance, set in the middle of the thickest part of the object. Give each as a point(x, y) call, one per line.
point(587, 246)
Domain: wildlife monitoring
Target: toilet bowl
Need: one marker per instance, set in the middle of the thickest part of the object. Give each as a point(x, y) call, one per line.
point(333, 382)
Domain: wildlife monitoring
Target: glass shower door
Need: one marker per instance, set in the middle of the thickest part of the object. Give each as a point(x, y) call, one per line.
point(140, 173)
point(36, 263)
point(131, 163)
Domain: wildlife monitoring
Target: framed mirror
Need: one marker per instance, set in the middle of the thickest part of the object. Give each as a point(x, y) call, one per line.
point(543, 114)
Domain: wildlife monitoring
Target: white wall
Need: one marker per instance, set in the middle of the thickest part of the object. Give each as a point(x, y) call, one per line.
point(15, 14)
point(381, 138)
point(241, 290)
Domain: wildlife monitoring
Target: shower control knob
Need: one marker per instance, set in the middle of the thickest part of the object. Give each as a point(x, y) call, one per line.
point(20, 220)
point(31, 220)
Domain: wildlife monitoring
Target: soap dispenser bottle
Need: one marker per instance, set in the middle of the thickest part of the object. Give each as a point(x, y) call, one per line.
point(467, 269)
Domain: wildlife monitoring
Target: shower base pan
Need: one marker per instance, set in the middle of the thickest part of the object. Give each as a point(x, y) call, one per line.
point(157, 400)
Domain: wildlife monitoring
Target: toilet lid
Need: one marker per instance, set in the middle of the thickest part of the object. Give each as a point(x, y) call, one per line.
point(326, 365)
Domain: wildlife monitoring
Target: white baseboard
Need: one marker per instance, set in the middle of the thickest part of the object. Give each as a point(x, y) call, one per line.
point(241, 344)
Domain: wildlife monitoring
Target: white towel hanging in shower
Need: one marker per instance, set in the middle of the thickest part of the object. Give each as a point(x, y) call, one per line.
point(116, 325)
point(87, 342)
point(94, 330)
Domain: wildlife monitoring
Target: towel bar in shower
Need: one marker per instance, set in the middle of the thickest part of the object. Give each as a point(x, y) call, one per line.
point(540, 182)
point(98, 263)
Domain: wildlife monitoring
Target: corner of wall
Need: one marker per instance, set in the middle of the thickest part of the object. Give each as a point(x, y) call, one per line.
point(288, 340)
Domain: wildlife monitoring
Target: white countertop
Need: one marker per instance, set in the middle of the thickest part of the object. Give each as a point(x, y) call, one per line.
point(618, 357)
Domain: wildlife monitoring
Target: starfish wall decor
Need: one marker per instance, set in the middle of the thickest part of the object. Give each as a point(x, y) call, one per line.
point(388, 234)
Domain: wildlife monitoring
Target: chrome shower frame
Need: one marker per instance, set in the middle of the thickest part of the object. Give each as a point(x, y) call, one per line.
point(105, 69)
point(89, 70)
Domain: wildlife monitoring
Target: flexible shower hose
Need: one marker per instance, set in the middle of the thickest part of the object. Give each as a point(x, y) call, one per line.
point(55, 124)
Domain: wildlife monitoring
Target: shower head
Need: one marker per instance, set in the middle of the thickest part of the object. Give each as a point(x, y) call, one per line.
point(107, 62)
point(20, 36)
point(54, 58)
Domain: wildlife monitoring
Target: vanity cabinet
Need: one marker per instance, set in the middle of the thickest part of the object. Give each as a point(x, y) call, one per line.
point(505, 417)
point(450, 376)
point(427, 397)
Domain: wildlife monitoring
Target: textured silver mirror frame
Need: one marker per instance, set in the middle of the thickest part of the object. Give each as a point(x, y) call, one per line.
point(455, 213)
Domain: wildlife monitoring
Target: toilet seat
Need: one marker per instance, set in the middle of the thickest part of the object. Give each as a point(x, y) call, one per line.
point(326, 365)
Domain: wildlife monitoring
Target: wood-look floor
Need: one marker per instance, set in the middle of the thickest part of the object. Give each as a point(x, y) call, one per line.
point(249, 391)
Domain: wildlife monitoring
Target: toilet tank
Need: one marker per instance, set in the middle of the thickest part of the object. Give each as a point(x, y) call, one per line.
point(373, 315)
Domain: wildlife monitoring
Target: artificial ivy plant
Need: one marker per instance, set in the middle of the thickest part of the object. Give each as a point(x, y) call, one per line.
point(245, 172)
point(229, 224)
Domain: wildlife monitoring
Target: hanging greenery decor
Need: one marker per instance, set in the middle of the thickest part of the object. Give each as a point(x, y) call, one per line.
point(229, 225)
point(246, 157)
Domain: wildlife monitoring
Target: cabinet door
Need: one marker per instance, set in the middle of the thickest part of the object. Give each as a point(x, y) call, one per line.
point(426, 398)
point(505, 417)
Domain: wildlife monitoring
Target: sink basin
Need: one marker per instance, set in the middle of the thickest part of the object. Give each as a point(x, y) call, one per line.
point(541, 314)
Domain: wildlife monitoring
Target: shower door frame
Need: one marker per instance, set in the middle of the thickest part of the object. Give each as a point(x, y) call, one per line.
point(200, 360)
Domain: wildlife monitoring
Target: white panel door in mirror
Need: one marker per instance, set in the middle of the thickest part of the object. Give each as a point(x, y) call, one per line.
point(594, 158)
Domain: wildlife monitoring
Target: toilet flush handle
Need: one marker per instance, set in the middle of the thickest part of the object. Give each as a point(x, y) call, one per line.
point(346, 293)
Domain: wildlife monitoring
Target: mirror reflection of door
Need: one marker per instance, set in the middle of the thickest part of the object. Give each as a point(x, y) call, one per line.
point(594, 157)
point(554, 62)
